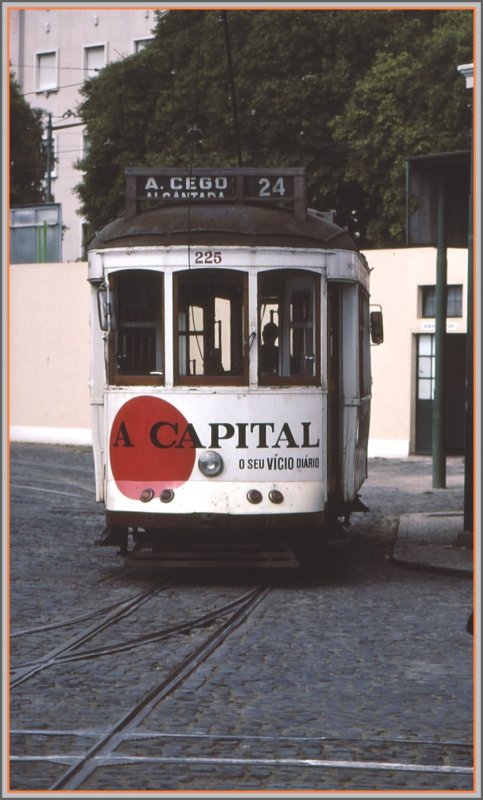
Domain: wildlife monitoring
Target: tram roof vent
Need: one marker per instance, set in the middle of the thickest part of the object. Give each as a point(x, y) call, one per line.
point(284, 187)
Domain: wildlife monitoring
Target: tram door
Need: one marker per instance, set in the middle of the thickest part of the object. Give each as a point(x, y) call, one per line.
point(333, 386)
point(348, 387)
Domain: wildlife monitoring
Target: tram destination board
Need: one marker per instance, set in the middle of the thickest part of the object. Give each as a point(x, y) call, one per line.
point(236, 185)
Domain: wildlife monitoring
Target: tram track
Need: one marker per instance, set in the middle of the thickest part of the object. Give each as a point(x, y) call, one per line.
point(64, 654)
point(77, 774)
point(114, 614)
point(252, 752)
point(125, 743)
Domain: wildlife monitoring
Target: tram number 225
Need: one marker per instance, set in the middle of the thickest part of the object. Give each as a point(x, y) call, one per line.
point(208, 257)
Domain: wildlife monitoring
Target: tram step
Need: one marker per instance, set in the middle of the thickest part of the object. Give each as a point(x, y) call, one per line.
point(231, 555)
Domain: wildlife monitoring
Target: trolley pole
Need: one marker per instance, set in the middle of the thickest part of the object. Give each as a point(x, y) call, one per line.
point(439, 451)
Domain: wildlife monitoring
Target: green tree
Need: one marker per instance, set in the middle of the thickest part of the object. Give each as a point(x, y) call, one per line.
point(27, 149)
point(328, 90)
point(412, 101)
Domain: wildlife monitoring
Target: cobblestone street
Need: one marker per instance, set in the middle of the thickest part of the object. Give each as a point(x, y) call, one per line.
point(358, 679)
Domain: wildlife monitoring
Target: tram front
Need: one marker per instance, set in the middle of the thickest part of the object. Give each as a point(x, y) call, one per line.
point(218, 386)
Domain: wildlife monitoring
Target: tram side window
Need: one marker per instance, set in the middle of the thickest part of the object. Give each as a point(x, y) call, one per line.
point(288, 309)
point(210, 315)
point(136, 339)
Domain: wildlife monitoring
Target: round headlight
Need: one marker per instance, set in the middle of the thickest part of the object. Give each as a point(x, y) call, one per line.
point(210, 463)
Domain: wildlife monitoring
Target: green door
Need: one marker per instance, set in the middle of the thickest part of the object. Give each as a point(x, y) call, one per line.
point(455, 392)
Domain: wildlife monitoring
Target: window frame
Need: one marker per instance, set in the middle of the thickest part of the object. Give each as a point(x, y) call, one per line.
point(85, 50)
point(52, 86)
point(292, 380)
point(430, 378)
point(210, 380)
point(145, 40)
point(427, 297)
point(136, 379)
point(54, 154)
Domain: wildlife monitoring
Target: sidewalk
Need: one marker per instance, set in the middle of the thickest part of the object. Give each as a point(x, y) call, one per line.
point(435, 542)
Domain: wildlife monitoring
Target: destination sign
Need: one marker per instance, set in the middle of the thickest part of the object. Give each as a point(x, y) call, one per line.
point(285, 186)
point(212, 187)
point(174, 187)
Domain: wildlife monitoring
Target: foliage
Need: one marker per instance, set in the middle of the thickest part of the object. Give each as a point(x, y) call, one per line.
point(27, 150)
point(412, 101)
point(347, 94)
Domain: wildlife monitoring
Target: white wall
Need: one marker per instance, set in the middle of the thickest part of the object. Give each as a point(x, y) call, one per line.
point(395, 279)
point(49, 353)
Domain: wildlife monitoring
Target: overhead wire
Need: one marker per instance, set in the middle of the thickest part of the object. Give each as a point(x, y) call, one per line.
point(194, 134)
point(231, 78)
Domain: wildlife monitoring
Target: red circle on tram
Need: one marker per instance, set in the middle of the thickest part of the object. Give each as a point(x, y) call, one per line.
point(149, 447)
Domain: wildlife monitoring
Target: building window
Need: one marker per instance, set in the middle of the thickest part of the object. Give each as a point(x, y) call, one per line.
point(140, 44)
point(454, 301)
point(85, 145)
point(53, 154)
point(94, 60)
point(426, 365)
point(46, 79)
point(35, 234)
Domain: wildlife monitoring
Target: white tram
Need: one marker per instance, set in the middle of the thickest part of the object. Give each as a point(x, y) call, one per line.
point(231, 380)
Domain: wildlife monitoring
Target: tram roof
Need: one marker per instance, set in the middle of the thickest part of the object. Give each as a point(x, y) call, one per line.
point(245, 206)
point(223, 224)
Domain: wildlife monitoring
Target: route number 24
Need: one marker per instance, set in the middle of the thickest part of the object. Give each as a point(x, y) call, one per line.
point(267, 190)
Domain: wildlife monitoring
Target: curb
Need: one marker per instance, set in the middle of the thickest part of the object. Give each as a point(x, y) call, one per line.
point(434, 542)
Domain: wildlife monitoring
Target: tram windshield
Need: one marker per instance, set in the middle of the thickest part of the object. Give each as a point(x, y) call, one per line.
point(136, 347)
point(288, 314)
point(210, 314)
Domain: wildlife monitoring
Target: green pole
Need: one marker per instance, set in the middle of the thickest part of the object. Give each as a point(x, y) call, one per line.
point(42, 243)
point(469, 406)
point(439, 453)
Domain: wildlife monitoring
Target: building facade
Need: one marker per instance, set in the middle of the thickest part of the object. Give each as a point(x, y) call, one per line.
point(52, 51)
point(403, 367)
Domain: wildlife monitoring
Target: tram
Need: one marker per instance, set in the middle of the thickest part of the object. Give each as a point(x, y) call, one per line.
point(230, 369)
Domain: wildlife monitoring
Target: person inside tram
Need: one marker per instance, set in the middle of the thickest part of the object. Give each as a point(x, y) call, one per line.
point(269, 350)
